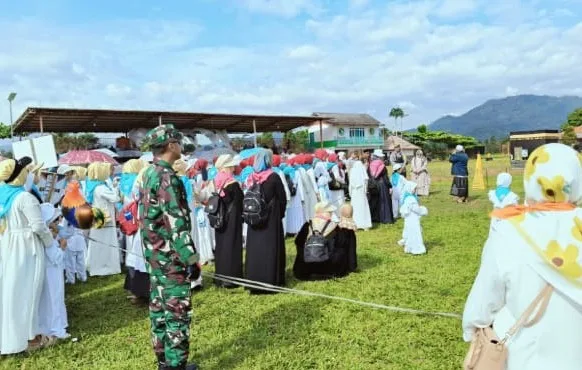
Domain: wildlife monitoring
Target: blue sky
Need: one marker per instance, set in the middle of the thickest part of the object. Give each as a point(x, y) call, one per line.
point(432, 57)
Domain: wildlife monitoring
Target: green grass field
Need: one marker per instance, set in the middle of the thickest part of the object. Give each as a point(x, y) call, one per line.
point(232, 330)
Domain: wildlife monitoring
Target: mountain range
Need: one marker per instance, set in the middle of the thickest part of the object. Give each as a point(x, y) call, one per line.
point(498, 117)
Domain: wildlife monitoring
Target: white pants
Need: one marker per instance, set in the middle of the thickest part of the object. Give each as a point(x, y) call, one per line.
point(75, 266)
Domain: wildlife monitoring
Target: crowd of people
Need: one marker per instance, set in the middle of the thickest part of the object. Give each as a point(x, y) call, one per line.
point(190, 213)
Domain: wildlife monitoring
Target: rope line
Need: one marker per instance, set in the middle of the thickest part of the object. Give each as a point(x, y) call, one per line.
point(277, 289)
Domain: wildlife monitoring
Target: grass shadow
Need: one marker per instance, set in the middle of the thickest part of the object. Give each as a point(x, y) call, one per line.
point(281, 327)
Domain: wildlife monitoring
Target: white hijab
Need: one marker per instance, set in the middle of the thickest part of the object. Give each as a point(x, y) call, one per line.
point(358, 174)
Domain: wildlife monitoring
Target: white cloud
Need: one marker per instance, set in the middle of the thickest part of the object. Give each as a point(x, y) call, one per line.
point(361, 61)
point(283, 8)
point(456, 8)
point(304, 52)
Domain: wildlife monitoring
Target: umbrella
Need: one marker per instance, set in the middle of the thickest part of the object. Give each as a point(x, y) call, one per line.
point(247, 153)
point(109, 152)
point(147, 157)
point(77, 157)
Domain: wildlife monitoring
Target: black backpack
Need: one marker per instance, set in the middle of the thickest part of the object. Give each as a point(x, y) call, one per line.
point(217, 211)
point(334, 184)
point(291, 185)
point(317, 246)
point(255, 208)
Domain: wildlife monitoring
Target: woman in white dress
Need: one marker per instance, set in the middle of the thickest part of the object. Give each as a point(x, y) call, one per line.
point(338, 181)
point(535, 251)
point(295, 215)
point(22, 261)
point(420, 174)
point(204, 238)
point(412, 211)
point(310, 192)
point(102, 257)
point(137, 278)
point(358, 186)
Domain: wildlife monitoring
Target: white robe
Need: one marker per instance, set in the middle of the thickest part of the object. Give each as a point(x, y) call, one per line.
point(412, 233)
point(397, 192)
point(133, 244)
point(203, 233)
point(506, 285)
point(76, 252)
point(52, 311)
point(310, 195)
point(338, 196)
point(22, 273)
point(295, 215)
point(288, 196)
point(358, 189)
point(103, 258)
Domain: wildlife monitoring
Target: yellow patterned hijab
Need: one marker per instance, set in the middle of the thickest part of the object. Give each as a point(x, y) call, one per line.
point(553, 176)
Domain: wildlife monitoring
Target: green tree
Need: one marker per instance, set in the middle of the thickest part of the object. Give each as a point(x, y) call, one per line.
point(422, 129)
point(297, 141)
point(5, 131)
point(574, 119)
point(569, 136)
point(396, 113)
point(266, 139)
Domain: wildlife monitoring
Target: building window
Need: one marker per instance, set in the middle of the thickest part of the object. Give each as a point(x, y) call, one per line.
point(356, 132)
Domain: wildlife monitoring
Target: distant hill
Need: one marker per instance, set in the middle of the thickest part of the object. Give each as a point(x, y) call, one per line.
point(497, 117)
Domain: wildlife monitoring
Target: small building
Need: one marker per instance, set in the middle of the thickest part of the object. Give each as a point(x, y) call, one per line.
point(346, 131)
point(523, 143)
point(408, 149)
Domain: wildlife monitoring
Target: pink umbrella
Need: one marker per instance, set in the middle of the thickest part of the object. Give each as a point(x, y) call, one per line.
point(76, 157)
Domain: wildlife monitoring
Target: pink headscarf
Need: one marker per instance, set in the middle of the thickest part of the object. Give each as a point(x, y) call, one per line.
point(376, 166)
point(259, 177)
point(223, 178)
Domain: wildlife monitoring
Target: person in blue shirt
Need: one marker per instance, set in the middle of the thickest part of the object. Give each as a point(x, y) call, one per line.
point(460, 187)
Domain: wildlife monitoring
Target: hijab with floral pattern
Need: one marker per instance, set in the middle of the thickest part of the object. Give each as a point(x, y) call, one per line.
point(551, 223)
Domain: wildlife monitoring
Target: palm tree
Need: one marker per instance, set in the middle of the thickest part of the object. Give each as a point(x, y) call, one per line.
point(397, 112)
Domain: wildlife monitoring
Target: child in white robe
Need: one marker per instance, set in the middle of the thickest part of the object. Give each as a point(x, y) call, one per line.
point(398, 181)
point(412, 211)
point(75, 252)
point(502, 196)
point(52, 310)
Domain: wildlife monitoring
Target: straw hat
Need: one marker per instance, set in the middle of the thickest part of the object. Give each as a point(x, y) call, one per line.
point(225, 161)
point(324, 207)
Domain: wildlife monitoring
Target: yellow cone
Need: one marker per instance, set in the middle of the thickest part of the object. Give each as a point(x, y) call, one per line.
point(479, 180)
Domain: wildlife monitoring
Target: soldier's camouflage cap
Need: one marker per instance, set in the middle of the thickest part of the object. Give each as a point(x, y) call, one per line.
point(163, 135)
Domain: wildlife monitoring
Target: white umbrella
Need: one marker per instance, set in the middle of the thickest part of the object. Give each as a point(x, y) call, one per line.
point(109, 152)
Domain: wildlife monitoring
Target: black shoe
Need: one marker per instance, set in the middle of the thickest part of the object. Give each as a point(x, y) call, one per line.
point(192, 367)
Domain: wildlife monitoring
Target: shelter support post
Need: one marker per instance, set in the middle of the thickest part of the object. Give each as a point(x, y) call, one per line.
point(255, 132)
point(41, 124)
point(160, 120)
point(321, 134)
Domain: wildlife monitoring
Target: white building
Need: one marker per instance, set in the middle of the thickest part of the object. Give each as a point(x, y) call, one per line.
point(346, 131)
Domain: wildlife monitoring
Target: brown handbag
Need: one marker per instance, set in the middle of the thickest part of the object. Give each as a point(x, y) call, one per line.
point(487, 352)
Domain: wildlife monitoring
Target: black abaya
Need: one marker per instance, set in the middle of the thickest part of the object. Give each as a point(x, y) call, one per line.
point(343, 257)
point(228, 255)
point(381, 203)
point(138, 283)
point(265, 260)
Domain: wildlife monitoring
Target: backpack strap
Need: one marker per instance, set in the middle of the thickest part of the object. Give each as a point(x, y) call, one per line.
point(325, 227)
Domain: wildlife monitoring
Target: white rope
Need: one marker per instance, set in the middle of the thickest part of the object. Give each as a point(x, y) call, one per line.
point(277, 289)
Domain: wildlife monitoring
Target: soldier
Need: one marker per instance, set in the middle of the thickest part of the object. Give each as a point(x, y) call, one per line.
point(169, 251)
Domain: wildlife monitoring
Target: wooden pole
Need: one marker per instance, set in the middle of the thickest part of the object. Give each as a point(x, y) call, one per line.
point(41, 125)
point(160, 120)
point(321, 134)
point(255, 132)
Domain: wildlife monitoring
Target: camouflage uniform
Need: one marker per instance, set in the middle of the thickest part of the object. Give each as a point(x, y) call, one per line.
point(169, 252)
